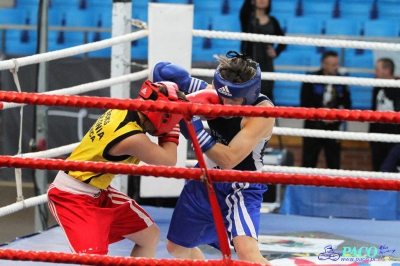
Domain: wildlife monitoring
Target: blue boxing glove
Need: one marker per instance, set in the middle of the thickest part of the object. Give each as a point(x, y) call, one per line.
point(205, 140)
point(166, 71)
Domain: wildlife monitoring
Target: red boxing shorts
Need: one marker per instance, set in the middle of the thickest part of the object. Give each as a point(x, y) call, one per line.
point(92, 218)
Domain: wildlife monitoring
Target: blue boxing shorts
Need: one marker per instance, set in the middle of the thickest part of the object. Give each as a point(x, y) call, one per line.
point(192, 222)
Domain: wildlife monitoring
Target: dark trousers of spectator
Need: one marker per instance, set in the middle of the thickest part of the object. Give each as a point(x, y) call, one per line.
point(379, 151)
point(312, 148)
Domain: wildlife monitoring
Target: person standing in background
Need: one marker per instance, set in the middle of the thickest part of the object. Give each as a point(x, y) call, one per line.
point(383, 99)
point(255, 18)
point(391, 163)
point(314, 95)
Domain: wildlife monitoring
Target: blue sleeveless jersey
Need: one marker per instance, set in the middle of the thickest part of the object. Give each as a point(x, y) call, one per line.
point(224, 130)
point(192, 221)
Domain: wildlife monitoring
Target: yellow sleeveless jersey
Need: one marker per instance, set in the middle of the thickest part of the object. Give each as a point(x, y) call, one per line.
point(109, 129)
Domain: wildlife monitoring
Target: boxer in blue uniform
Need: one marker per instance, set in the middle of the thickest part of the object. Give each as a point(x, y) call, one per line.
point(236, 143)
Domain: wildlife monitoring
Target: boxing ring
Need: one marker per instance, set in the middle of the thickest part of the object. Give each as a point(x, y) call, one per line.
point(284, 239)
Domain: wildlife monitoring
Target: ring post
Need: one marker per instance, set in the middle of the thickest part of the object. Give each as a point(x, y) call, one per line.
point(170, 39)
point(120, 64)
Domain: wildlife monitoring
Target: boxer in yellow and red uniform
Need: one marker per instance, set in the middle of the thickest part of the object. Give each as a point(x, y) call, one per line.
point(91, 212)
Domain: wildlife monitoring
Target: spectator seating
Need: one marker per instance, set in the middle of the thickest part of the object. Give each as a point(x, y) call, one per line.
point(389, 9)
point(295, 58)
point(27, 4)
point(19, 42)
point(101, 4)
point(354, 60)
point(318, 9)
point(62, 5)
point(342, 26)
point(361, 96)
point(303, 25)
point(359, 10)
point(11, 16)
point(287, 93)
point(283, 9)
point(382, 28)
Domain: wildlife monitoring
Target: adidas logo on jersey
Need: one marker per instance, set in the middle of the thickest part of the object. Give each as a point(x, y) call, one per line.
point(224, 90)
point(144, 90)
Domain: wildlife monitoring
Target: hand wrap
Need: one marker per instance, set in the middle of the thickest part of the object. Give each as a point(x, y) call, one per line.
point(206, 141)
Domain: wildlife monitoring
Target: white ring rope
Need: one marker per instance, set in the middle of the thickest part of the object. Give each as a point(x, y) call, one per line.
point(379, 137)
point(20, 205)
point(38, 58)
point(320, 171)
point(90, 86)
point(330, 172)
point(296, 40)
point(312, 78)
point(328, 134)
point(55, 152)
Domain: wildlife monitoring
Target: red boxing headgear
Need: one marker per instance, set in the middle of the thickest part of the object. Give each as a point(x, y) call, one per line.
point(163, 122)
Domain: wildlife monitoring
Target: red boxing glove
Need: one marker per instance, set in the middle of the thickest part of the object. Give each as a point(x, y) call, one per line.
point(206, 96)
point(172, 136)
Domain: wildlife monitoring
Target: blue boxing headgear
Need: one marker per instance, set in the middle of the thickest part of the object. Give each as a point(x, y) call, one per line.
point(249, 90)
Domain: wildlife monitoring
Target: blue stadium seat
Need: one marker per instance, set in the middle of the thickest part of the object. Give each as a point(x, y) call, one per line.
point(381, 28)
point(27, 3)
point(102, 17)
point(21, 42)
point(199, 22)
point(283, 9)
point(389, 9)
point(201, 55)
point(235, 6)
point(353, 60)
point(315, 61)
point(321, 9)
point(72, 18)
point(67, 5)
point(286, 93)
point(11, 16)
point(361, 97)
point(102, 4)
point(355, 9)
point(225, 23)
point(303, 25)
point(58, 40)
point(342, 26)
point(142, 4)
point(173, 1)
point(295, 58)
point(207, 6)
point(139, 51)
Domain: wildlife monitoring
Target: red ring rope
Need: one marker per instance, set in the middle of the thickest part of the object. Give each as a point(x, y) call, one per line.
point(200, 109)
point(61, 257)
point(196, 173)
